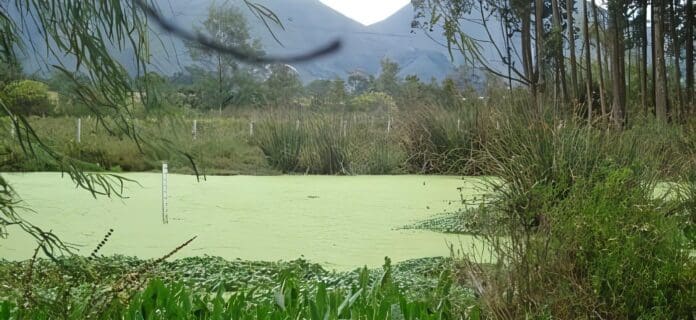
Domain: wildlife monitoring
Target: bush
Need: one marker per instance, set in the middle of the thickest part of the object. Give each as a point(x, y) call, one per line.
point(372, 102)
point(580, 232)
point(328, 150)
point(281, 142)
point(622, 251)
point(440, 142)
point(27, 97)
point(608, 249)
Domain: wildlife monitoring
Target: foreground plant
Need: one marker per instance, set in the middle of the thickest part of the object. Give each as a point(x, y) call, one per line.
point(293, 293)
point(581, 232)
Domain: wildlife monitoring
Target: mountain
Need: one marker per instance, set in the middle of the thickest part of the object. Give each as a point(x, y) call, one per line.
point(308, 24)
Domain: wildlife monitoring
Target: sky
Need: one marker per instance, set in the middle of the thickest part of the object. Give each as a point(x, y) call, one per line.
point(366, 11)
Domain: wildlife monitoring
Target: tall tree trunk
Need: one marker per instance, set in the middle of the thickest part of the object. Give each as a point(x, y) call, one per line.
point(558, 49)
point(661, 110)
point(570, 8)
point(588, 60)
point(689, 43)
point(653, 83)
point(539, 26)
point(220, 84)
point(602, 92)
point(618, 79)
point(527, 61)
point(644, 57)
point(676, 52)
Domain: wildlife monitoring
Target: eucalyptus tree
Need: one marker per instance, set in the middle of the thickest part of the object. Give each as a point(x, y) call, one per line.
point(689, 52)
point(602, 88)
point(226, 25)
point(82, 37)
point(570, 20)
point(617, 21)
point(661, 100)
point(515, 16)
point(588, 60)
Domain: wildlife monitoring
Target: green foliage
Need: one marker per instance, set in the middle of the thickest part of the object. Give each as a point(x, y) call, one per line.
point(359, 83)
point(9, 71)
point(329, 150)
point(440, 142)
point(219, 80)
point(373, 102)
point(220, 147)
point(237, 290)
point(388, 79)
point(283, 85)
point(579, 229)
point(27, 97)
point(281, 142)
point(626, 252)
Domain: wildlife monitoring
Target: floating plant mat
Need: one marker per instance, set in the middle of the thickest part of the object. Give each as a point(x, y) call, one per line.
point(340, 222)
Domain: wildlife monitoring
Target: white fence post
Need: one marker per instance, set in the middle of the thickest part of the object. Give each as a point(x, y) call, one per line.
point(194, 129)
point(13, 126)
point(78, 134)
point(251, 128)
point(459, 122)
point(165, 172)
point(389, 125)
point(345, 128)
point(297, 124)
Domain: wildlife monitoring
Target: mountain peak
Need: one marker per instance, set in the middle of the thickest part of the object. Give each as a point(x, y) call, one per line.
point(366, 12)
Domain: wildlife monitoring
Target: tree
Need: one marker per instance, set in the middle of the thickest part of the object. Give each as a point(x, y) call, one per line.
point(643, 21)
point(226, 25)
point(570, 10)
point(689, 52)
point(598, 47)
point(616, 9)
point(588, 61)
point(539, 51)
point(388, 79)
point(661, 107)
point(675, 41)
point(359, 82)
point(283, 84)
point(10, 71)
point(27, 97)
point(557, 38)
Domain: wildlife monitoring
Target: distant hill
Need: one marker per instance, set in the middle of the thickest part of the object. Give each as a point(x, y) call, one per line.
point(309, 23)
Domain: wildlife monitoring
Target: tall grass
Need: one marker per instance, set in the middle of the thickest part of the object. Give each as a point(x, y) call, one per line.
point(440, 142)
point(329, 149)
point(329, 144)
point(281, 142)
point(580, 233)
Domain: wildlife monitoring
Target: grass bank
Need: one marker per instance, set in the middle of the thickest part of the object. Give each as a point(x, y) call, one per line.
point(429, 140)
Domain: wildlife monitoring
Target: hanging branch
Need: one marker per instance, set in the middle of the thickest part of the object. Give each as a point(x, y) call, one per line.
point(211, 44)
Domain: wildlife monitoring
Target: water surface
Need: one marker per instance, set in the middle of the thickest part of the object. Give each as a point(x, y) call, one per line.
point(340, 222)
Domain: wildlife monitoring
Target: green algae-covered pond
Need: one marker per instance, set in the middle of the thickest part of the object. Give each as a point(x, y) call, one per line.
point(340, 222)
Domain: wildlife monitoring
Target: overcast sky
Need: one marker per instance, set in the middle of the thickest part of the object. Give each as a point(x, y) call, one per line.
point(366, 11)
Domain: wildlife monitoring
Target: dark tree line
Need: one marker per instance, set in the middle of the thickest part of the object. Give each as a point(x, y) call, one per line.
point(619, 57)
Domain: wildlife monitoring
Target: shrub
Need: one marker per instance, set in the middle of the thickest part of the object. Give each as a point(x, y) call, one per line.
point(582, 233)
point(328, 150)
point(281, 142)
point(27, 97)
point(440, 142)
point(373, 101)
